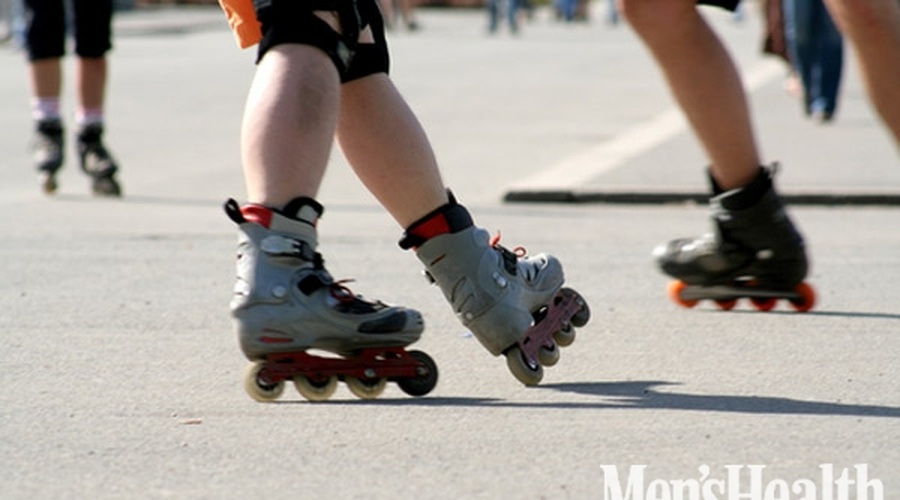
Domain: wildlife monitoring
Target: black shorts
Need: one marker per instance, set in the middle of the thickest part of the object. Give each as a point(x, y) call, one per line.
point(46, 27)
point(725, 4)
point(292, 21)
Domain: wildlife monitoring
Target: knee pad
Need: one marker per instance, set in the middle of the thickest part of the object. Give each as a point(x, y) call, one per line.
point(290, 21)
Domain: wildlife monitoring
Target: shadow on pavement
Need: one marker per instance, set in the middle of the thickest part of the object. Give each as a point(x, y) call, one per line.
point(642, 395)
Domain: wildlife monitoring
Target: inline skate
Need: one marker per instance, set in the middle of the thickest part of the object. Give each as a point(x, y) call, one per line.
point(97, 162)
point(513, 304)
point(754, 252)
point(47, 150)
point(286, 305)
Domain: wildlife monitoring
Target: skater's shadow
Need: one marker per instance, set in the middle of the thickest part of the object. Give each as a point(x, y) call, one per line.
point(645, 395)
point(814, 313)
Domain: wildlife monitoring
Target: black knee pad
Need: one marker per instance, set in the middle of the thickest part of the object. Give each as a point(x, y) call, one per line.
point(290, 21)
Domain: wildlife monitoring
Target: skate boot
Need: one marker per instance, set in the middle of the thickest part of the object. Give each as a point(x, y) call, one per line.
point(285, 303)
point(96, 161)
point(47, 150)
point(753, 252)
point(513, 304)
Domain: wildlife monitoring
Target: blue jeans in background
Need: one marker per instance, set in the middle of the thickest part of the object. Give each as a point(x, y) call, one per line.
point(506, 8)
point(816, 49)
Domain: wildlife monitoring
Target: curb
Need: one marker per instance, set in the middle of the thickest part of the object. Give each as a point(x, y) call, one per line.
point(645, 196)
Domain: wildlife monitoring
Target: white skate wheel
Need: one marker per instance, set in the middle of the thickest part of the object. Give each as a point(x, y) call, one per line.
point(257, 390)
point(523, 370)
point(366, 389)
point(315, 391)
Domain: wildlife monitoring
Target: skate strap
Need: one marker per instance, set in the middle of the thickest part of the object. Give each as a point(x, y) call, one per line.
point(448, 218)
point(289, 247)
point(233, 211)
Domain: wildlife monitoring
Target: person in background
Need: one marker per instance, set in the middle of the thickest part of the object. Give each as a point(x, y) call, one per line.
point(816, 50)
point(508, 9)
point(45, 38)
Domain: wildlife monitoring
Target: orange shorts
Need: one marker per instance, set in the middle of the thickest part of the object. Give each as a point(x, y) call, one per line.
point(242, 19)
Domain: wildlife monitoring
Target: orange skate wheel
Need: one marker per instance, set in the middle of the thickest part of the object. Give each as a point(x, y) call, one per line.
point(764, 304)
point(674, 292)
point(807, 300)
point(726, 305)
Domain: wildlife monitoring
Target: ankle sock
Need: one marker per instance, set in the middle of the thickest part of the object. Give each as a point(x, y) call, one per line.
point(45, 109)
point(86, 117)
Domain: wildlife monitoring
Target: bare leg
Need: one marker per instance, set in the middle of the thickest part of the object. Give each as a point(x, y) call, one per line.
point(704, 81)
point(90, 77)
point(389, 151)
point(873, 28)
point(289, 123)
point(46, 78)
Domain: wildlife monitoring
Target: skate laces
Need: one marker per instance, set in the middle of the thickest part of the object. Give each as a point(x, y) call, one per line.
point(518, 251)
point(340, 292)
point(510, 257)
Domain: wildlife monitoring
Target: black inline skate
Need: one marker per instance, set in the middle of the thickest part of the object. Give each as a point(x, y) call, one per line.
point(754, 252)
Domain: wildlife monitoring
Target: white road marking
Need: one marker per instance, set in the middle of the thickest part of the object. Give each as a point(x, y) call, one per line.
point(581, 168)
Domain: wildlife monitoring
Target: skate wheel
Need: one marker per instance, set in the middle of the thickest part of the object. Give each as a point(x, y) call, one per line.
point(674, 291)
point(425, 382)
point(47, 182)
point(258, 390)
point(366, 389)
point(522, 369)
point(583, 315)
point(565, 336)
point(315, 391)
point(106, 186)
point(548, 356)
point(764, 304)
point(726, 305)
point(807, 300)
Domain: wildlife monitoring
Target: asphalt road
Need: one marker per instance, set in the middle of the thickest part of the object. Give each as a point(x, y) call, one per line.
point(121, 377)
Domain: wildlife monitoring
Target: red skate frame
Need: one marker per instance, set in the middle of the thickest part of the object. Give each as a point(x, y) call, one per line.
point(559, 314)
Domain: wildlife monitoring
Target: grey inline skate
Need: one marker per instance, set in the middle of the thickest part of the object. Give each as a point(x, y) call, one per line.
point(753, 252)
point(47, 150)
point(97, 162)
point(285, 303)
point(513, 304)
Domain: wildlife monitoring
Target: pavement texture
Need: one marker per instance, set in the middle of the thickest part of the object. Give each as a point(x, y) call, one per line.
point(121, 376)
